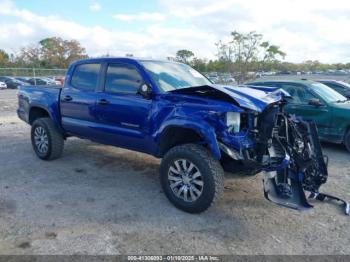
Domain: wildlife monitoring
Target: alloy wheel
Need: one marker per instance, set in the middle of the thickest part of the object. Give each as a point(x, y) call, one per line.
point(41, 140)
point(185, 180)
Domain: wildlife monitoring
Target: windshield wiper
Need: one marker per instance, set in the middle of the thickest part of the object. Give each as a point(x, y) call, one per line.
point(342, 101)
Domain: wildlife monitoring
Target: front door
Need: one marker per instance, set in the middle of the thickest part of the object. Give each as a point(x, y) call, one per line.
point(122, 113)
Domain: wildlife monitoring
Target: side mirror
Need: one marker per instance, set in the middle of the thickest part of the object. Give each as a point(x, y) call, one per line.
point(145, 90)
point(315, 102)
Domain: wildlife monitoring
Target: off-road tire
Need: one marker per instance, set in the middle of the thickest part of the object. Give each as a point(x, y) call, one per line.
point(55, 139)
point(210, 169)
point(347, 140)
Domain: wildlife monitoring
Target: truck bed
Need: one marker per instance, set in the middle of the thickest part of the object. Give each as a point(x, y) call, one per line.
point(45, 97)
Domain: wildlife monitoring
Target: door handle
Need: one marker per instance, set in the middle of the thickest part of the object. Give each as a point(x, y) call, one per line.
point(67, 98)
point(103, 102)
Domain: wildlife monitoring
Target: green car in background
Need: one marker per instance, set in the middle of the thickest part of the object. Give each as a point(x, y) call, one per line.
point(315, 101)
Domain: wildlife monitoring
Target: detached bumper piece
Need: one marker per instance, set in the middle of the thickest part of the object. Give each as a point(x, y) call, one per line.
point(306, 170)
point(293, 195)
point(289, 195)
point(323, 197)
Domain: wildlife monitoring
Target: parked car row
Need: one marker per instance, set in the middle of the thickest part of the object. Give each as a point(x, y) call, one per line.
point(326, 102)
point(15, 82)
point(315, 72)
point(11, 82)
point(221, 78)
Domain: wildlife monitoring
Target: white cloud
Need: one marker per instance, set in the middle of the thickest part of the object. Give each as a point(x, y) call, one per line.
point(312, 29)
point(150, 17)
point(95, 7)
point(316, 30)
point(155, 41)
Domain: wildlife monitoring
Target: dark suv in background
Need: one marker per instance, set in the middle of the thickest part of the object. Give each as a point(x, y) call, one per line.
point(339, 86)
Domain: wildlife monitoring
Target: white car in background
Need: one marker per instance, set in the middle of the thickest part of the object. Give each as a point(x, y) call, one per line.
point(3, 85)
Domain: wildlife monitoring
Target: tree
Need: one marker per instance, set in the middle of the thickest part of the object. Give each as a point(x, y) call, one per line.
point(29, 55)
point(243, 53)
point(52, 52)
point(184, 56)
point(245, 47)
point(4, 58)
point(270, 55)
point(60, 53)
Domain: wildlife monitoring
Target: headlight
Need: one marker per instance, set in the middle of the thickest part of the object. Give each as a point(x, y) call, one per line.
point(233, 121)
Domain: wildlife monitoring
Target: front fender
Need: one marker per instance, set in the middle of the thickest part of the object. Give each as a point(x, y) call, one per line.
point(206, 131)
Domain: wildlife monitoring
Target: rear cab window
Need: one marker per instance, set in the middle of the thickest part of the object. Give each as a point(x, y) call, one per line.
point(85, 76)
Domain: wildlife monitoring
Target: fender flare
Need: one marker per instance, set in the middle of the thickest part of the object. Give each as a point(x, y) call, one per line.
point(202, 128)
point(51, 114)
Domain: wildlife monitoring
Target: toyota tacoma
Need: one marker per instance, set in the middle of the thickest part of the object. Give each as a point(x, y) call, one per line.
point(173, 112)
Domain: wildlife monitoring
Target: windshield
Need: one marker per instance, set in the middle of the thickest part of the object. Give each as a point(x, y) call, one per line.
point(171, 76)
point(327, 93)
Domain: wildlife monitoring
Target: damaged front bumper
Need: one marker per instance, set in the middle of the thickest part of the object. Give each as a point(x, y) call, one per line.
point(288, 152)
point(287, 184)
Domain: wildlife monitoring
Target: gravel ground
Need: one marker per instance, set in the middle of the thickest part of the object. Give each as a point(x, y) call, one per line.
point(103, 200)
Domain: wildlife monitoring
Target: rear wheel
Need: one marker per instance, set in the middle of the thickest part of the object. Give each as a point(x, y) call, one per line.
point(191, 178)
point(347, 141)
point(47, 141)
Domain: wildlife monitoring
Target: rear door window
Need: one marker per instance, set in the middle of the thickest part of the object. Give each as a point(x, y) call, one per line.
point(85, 76)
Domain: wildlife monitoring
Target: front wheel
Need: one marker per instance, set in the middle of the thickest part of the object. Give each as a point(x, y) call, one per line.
point(347, 141)
point(47, 141)
point(191, 178)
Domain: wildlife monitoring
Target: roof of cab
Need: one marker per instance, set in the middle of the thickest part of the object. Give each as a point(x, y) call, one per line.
point(124, 59)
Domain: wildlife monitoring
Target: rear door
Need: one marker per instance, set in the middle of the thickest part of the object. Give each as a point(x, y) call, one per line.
point(122, 113)
point(300, 106)
point(78, 100)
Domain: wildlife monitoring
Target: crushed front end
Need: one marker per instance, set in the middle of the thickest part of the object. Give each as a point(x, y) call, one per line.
point(255, 135)
point(287, 150)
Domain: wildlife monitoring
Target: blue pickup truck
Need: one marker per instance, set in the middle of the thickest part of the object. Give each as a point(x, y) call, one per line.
point(173, 112)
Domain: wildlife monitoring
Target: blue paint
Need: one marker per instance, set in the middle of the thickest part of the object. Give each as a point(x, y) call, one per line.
point(134, 122)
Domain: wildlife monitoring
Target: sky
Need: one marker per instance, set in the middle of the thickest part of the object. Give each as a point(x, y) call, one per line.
point(304, 29)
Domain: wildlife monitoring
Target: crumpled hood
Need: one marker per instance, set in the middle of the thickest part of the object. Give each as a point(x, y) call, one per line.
point(245, 97)
point(251, 98)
